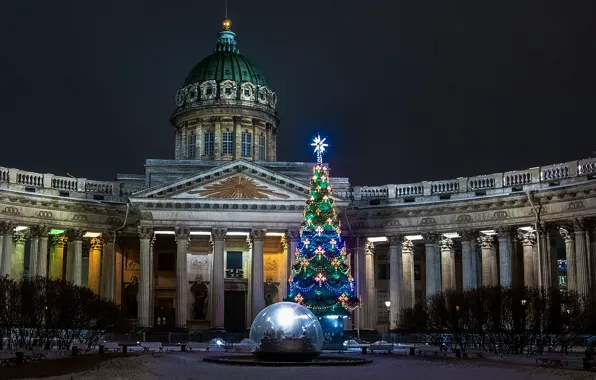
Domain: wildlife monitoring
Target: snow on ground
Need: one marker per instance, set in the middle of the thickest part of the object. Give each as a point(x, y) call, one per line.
point(189, 366)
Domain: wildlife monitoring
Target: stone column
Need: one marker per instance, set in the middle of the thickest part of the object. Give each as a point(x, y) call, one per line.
point(360, 279)
point(371, 291)
point(75, 255)
point(42, 253)
point(182, 241)
point(504, 234)
point(433, 265)
point(528, 240)
point(489, 261)
point(108, 271)
point(544, 268)
point(468, 262)
point(18, 257)
point(257, 282)
point(569, 238)
point(152, 277)
point(407, 252)
point(292, 237)
point(218, 237)
point(396, 282)
point(447, 264)
point(33, 249)
point(581, 256)
point(93, 281)
point(145, 235)
point(6, 248)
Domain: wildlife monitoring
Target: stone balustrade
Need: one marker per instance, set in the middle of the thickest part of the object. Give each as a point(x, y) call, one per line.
point(50, 184)
point(492, 184)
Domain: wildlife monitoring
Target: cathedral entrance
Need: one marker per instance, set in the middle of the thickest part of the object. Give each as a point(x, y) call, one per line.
point(235, 311)
point(164, 315)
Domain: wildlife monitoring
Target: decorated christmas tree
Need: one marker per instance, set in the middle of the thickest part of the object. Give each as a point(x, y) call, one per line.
point(321, 278)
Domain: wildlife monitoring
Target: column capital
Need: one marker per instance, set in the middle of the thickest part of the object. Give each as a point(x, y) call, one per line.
point(567, 233)
point(579, 224)
point(293, 235)
point(486, 241)
point(527, 238)
point(431, 238)
point(446, 243)
point(19, 237)
point(395, 239)
point(145, 232)
point(182, 233)
point(258, 234)
point(407, 246)
point(468, 235)
point(40, 231)
point(108, 237)
point(6, 227)
point(218, 233)
point(96, 243)
point(73, 234)
point(504, 232)
point(369, 247)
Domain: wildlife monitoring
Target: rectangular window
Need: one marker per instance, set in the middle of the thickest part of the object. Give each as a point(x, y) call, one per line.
point(191, 140)
point(166, 262)
point(209, 143)
point(383, 270)
point(262, 147)
point(227, 142)
point(233, 260)
point(246, 144)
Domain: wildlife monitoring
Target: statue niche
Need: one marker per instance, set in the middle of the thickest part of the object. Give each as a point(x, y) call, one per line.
point(270, 291)
point(200, 293)
point(130, 295)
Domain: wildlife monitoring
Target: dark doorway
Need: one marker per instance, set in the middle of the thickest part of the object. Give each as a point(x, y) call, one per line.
point(164, 314)
point(235, 311)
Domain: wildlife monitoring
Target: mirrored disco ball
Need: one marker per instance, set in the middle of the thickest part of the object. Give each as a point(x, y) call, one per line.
point(286, 331)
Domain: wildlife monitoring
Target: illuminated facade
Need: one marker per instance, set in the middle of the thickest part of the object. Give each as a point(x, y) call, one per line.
point(205, 240)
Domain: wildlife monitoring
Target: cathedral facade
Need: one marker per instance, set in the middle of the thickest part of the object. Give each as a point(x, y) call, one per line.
point(206, 240)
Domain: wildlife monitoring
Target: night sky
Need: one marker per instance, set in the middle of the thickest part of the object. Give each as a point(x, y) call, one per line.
point(405, 90)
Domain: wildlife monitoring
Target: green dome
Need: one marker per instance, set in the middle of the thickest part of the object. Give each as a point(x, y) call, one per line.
point(226, 64)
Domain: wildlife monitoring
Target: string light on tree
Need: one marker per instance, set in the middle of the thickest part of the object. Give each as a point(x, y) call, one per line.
point(321, 277)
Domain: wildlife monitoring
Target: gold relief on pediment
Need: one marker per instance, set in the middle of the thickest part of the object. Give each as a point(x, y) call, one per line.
point(238, 186)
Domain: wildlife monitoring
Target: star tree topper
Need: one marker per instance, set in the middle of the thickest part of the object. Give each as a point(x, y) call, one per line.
point(320, 146)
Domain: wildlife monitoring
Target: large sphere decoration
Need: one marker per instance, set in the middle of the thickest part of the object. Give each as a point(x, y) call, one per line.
point(286, 332)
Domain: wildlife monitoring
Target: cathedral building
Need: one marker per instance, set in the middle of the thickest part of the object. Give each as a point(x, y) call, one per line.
point(206, 240)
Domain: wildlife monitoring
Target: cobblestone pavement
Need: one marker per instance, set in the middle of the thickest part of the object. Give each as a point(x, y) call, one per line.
point(190, 366)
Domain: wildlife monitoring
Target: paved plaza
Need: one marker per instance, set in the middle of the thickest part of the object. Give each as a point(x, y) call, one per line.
point(191, 366)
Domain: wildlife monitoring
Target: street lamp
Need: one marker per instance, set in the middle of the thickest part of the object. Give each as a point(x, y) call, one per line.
point(388, 304)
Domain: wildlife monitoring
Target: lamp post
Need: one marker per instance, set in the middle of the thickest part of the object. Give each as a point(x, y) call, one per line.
point(388, 304)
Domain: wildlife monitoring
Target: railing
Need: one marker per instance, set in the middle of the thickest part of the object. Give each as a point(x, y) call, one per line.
point(497, 183)
point(58, 185)
point(234, 273)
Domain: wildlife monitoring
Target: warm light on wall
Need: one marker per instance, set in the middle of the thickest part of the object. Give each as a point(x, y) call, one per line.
point(203, 233)
point(237, 233)
point(92, 234)
point(275, 234)
point(377, 239)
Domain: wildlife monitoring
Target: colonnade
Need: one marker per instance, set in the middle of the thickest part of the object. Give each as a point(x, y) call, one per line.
point(69, 244)
point(497, 266)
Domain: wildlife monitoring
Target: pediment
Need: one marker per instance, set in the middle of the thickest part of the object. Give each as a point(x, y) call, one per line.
point(236, 180)
point(239, 186)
